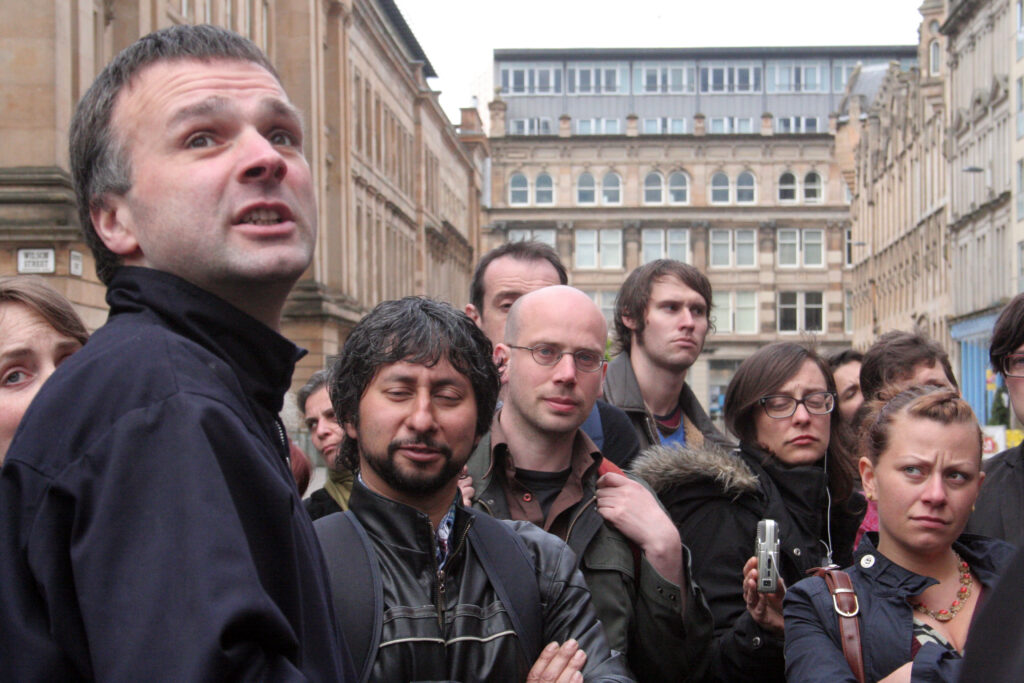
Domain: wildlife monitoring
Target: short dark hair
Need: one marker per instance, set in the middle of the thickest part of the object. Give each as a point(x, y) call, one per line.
point(1008, 334)
point(635, 294)
point(316, 380)
point(841, 358)
point(100, 159)
point(415, 330)
point(521, 251)
point(49, 304)
point(761, 374)
point(894, 356)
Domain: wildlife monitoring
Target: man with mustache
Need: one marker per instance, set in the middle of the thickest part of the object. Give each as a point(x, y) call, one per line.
point(537, 465)
point(414, 389)
point(662, 316)
point(326, 435)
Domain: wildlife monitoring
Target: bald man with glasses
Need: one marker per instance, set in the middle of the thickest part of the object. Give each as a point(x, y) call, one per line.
point(537, 465)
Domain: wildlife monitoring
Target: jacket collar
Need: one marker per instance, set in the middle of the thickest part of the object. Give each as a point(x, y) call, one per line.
point(260, 358)
point(398, 524)
point(621, 375)
point(976, 550)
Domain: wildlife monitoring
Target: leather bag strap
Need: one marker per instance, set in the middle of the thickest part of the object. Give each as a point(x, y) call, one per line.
point(844, 601)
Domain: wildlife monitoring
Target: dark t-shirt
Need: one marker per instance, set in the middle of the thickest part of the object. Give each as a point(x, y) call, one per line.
point(545, 486)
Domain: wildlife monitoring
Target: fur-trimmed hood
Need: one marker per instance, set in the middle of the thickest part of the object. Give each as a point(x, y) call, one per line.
point(664, 467)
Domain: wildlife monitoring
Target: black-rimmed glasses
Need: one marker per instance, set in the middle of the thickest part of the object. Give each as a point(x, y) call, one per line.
point(780, 406)
point(546, 354)
point(1013, 365)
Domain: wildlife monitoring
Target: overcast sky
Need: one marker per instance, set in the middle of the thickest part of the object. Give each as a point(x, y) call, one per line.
point(460, 36)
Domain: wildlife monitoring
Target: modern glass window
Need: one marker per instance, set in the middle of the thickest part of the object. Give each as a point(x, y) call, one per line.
point(652, 127)
point(719, 188)
point(656, 243)
point(678, 188)
point(611, 126)
point(599, 249)
point(518, 190)
point(544, 189)
point(745, 188)
point(611, 189)
point(547, 236)
point(796, 77)
point(676, 126)
point(841, 72)
point(585, 127)
point(812, 188)
point(533, 126)
point(654, 186)
point(586, 192)
point(787, 187)
point(800, 312)
point(522, 80)
point(724, 78)
point(650, 79)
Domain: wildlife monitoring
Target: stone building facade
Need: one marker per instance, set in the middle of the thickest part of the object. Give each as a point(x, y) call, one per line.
point(981, 51)
point(398, 188)
point(891, 145)
point(724, 159)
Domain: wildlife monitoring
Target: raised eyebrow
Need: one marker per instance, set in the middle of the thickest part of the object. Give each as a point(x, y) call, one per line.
point(285, 109)
point(212, 105)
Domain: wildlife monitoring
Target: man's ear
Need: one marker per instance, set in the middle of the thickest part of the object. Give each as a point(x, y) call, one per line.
point(473, 314)
point(350, 431)
point(502, 355)
point(112, 220)
point(629, 322)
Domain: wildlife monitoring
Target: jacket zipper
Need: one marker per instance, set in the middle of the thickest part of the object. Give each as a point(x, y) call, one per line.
point(440, 572)
point(579, 513)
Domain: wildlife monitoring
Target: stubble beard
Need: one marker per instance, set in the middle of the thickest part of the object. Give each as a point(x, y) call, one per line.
point(413, 484)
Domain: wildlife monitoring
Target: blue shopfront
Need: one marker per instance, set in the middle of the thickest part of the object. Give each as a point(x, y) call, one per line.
point(973, 336)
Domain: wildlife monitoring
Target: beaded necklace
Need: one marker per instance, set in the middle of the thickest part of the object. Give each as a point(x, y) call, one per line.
point(962, 594)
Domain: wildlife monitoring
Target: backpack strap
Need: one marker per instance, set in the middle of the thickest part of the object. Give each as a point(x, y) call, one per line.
point(608, 466)
point(844, 601)
point(356, 587)
point(511, 571)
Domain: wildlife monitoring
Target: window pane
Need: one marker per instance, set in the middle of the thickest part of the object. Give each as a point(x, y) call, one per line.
point(611, 189)
point(814, 248)
point(519, 189)
point(745, 188)
point(678, 190)
point(745, 251)
point(652, 188)
point(611, 248)
point(651, 249)
point(545, 193)
point(677, 126)
point(518, 235)
point(788, 247)
point(585, 191)
point(679, 245)
point(812, 187)
point(787, 187)
point(545, 236)
point(719, 188)
point(787, 312)
point(652, 126)
point(723, 312)
point(746, 312)
point(720, 243)
point(586, 248)
point(813, 317)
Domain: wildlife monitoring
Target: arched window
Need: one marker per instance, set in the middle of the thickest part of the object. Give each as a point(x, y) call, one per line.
point(787, 187)
point(653, 188)
point(544, 190)
point(586, 193)
point(812, 188)
point(611, 189)
point(678, 188)
point(934, 58)
point(720, 188)
point(518, 190)
point(745, 188)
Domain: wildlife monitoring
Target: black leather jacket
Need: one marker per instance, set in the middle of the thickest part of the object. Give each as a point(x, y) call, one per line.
point(450, 625)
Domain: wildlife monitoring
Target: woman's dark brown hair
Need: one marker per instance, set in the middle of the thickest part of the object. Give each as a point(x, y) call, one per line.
point(762, 374)
point(46, 302)
point(938, 404)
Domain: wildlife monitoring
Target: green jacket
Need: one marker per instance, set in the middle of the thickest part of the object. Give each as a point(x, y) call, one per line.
point(641, 613)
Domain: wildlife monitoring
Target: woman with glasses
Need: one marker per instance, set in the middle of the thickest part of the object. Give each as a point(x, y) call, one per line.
point(918, 580)
point(1000, 508)
point(791, 468)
